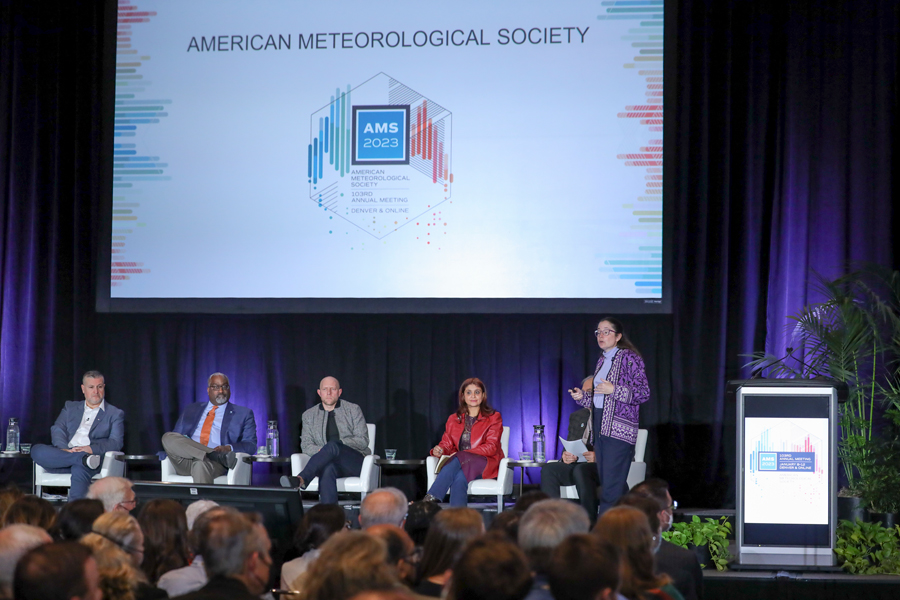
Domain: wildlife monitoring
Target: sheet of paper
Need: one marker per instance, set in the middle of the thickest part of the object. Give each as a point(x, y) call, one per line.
point(575, 447)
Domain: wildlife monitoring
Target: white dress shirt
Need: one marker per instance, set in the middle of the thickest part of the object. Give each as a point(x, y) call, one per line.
point(82, 437)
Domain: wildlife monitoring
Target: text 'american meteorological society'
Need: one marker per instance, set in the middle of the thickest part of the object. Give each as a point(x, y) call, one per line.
point(518, 36)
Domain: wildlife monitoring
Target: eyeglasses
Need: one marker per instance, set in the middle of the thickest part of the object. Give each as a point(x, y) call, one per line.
point(216, 388)
point(672, 506)
point(599, 332)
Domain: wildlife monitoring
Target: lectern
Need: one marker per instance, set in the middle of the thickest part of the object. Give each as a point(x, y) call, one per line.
point(787, 436)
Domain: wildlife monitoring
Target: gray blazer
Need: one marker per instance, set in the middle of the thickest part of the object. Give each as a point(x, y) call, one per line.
point(350, 423)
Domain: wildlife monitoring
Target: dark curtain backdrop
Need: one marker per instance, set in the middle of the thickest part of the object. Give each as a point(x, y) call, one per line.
point(780, 121)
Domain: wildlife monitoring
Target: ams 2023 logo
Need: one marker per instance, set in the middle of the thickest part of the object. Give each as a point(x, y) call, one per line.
point(381, 135)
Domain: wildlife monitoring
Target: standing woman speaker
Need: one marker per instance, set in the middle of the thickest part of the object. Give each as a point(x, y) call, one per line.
point(614, 395)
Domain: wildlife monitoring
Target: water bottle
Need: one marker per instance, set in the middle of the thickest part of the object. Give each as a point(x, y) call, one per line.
point(12, 435)
point(272, 439)
point(539, 444)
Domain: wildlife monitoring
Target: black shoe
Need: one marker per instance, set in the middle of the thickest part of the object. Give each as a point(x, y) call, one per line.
point(226, 459)
point(288, 481)
point(430, 498)
point(91, 461)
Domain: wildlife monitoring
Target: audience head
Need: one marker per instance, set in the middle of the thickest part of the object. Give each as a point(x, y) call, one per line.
point(507, 523)
point(75, 519)
point(529, 498)
point(490, 568)
point(419, 516)
point(164, 524)
point(115, 493)
point(584, 567)
point(235, 545)
point(650, 508)
point(15, 541)
point(449, 532)
point(319, 523)
point(8, 495)
point(396, 594)
point(385, 505)
point(118, 547)
point(401, 551)
point(628, 529)
point(658, 490)
point(545, 525)
point(349, 562)
point(62, 571)
point(30, 510)
point(477, 385)
point(195, 509)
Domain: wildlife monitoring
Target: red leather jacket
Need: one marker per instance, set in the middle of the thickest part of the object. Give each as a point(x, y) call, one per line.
point(485, 438)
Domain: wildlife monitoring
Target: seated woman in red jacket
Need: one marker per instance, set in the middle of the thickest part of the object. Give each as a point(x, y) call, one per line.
point(472, 437)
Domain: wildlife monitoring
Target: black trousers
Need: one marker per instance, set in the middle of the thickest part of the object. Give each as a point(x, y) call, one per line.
point(582, 475)
point(614, 458)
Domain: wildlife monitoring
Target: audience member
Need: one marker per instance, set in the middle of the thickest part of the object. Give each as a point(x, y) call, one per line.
point(679, 563)
point(419, 516)
point(541, 529)
point(164, 524)
point(401, 551)
point(350, 562)
point(209, 433)
point(583, 567)
point(386, 505)
point(449, 532)
point(650, 508)
point(336, 439)
point(115, 493)
point(30, 510)
point(62, 571)
point(490, 568)
point(15, 541)
point(319, 523)
point(236, 553)
point(179, 582)
point(8, 495)
point(75, 519)
point(628, 529)
point(398, 594)
point(118, 546)
point(525, 501)
point(507, 523)
point(84, 431)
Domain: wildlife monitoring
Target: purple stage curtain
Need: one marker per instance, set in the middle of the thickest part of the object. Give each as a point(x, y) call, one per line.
point(780, 118)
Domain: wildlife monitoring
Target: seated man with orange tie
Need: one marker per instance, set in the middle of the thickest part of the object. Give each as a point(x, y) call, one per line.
point(208, 434)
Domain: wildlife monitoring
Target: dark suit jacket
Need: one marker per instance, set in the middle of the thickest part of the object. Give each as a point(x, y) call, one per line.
point(682, 566)
point(107, 431)
point(577, 424)
point(238, 425)
point(221, 588)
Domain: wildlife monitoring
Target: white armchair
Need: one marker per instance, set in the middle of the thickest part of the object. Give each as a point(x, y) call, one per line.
point(239, 475)
point(368, 475)
point(636, 474)
point(111, 467)
point(502, 486)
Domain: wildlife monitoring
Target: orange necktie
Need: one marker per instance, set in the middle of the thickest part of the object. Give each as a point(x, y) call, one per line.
point(207, 426)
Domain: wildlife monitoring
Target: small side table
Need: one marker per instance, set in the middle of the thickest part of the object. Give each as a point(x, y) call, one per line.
point(524, 464)
point(8, 469)
point(267, 459)
point(398, 462)
point(137, 458)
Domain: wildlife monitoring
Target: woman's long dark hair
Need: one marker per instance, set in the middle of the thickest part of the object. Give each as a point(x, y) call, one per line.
point(624, 342)
point(164, 524)
point(319, 523)
point(463, 409)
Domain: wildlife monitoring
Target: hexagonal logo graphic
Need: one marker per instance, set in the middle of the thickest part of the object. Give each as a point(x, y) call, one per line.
point(379, 155)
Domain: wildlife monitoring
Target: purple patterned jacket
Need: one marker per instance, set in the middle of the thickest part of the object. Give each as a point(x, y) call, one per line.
point(621, 408)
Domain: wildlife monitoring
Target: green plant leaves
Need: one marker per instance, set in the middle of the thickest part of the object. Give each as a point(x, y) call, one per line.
point(712, 533)
point(868, 548)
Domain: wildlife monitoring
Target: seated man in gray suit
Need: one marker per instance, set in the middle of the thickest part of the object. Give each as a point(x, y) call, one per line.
point(583, 475)
point(81, 435)
point(335, 437)
point(208, 434)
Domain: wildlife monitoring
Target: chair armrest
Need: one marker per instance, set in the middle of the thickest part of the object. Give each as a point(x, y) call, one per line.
point(242, 472)
point(504, 476)
point(166, 469)
point(368, 475)
point(112, 467)
point(430, 464)
point(298, 463)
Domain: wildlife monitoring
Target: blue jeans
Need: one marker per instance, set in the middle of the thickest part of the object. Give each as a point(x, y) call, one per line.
point(56, 460)
point(332, 461)
point(452, 479)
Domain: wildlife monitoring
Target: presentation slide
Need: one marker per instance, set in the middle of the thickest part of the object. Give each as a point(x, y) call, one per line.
point(366, 149)
point(786, 471)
